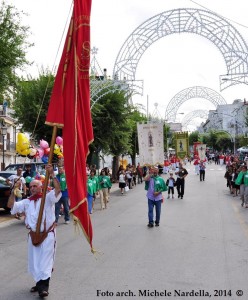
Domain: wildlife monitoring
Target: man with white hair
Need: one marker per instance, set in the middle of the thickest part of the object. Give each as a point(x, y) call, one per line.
point(41, 256)
point(155, 185)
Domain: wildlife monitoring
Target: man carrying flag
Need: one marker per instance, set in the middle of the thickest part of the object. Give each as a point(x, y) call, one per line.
point(40, 255)
point(69, 108)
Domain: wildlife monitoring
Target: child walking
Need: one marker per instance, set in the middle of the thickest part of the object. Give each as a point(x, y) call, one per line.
point(170, 182)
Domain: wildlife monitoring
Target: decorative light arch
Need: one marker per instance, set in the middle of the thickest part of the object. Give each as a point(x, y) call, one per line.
point(101, 84)
point(202, 22)
point(199, 113)
point(189, 93)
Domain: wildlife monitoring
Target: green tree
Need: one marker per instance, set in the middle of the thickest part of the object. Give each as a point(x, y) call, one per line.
point(205, 139)
point(111, 127)
point(223, 142)
point(194, 137)
point(30, 105)
point(212, 140)
point(13, 47)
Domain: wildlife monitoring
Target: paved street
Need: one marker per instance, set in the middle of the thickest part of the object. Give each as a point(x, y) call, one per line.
point(201, 246)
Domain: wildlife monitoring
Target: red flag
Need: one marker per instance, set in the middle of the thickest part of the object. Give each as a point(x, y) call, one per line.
point(70, 108)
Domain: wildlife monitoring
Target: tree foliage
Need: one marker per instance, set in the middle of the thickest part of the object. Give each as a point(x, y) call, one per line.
point(30, 105)
point(194, 137)
point(13, 46)
point(111, 129)
point(168, 135)
point(223, 142)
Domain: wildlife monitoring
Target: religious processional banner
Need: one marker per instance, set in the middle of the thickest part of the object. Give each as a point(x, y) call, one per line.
point(181, 144)
point(201, 148)
point(151, 143)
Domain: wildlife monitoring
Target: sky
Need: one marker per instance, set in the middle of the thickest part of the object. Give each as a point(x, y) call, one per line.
point(168, 66)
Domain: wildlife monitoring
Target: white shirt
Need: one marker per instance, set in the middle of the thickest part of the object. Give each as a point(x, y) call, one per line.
point(32, 208)
point(171, 182)
point(122, 178)
point(12, 180)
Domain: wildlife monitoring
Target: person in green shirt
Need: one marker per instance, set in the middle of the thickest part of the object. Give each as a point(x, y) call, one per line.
point(104, 185)
point(95, 182)
point(242, 181)
point(64, 200)
point(90, 194)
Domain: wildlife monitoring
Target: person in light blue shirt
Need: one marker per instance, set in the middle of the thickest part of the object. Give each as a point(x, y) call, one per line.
point(155, 185)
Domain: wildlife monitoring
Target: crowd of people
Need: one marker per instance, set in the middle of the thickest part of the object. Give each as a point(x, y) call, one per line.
point(98, 185)
point(41, 250)
point(23, 178)
point(236, 176)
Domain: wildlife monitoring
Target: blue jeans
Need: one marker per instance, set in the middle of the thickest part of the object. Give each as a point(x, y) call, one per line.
point(151, 205)
point(90, 203)
point(65, 202)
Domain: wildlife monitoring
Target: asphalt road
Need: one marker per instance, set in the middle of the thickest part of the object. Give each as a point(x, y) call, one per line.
point(199, 251)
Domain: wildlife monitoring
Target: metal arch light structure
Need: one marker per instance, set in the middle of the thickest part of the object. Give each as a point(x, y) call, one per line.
point(235, 79)
point(184, 20)
point(190, 93)
point(199, 113)
point(101, 85)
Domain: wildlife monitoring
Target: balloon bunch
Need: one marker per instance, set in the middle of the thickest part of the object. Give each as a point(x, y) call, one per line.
point(22, 144)
point(39, 177)
point(24, 148)
point(44, 149)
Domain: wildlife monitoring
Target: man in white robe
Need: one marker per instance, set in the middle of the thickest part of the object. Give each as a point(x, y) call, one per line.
point(41, 257)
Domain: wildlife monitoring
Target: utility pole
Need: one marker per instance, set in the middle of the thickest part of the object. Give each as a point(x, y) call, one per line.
point(234, 139)
point(147, 108)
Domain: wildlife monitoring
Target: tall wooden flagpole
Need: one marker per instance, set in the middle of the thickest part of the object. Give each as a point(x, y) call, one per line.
point(50, 158)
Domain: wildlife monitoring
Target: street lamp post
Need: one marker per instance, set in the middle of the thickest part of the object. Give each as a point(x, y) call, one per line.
point(3, 132)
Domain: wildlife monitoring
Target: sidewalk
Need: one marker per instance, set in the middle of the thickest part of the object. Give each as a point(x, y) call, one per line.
point(4, 216)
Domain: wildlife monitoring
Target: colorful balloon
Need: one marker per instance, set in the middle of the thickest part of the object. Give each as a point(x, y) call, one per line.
point(28, 179)
point(44, 144)
point(24, 152)
point(59, 140)
point(41, 152)
point(37, 177)
point(46, 151)
point(42, 178)
point(32, 151)
point(22, 144)
point(44, 159)
point(56, 149)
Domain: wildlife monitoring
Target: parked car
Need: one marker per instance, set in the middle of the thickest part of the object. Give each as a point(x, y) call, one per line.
point(7, 174)
point(243, 149)
point(4, 192)
point(39, 167)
